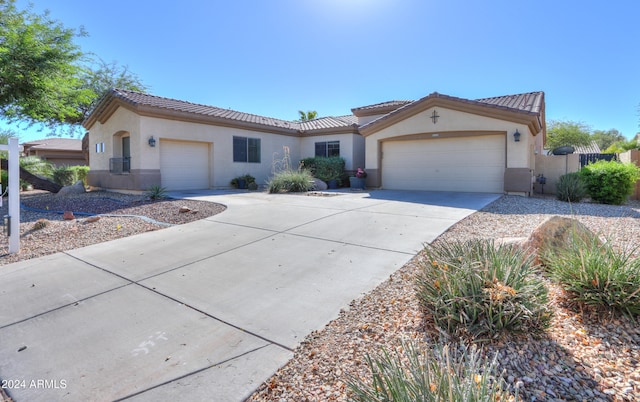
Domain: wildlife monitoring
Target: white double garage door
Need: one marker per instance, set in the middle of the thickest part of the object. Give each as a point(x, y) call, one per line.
point(467, 164)
point(185, 165)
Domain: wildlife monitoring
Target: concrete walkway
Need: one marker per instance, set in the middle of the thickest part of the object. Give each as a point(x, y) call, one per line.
point(211, 309)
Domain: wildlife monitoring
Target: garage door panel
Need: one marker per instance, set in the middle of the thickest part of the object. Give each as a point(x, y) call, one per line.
point(474, 164)
point(184, 165)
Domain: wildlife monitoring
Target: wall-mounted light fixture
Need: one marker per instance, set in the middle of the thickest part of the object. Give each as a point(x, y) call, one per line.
point(152, 142)
point(516, 136)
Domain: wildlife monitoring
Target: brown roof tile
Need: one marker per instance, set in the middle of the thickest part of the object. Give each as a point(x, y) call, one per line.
point(60, 144)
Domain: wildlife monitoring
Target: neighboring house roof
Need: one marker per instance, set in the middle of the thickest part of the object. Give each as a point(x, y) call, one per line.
point(526, 108)
point(592, 148)
point(57, 144)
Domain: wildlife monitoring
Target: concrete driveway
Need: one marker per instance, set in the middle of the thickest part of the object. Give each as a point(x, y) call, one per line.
point(211, 309)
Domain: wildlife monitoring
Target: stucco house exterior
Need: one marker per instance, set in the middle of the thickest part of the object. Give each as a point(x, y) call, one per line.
point(439, 143)
point(58, 151)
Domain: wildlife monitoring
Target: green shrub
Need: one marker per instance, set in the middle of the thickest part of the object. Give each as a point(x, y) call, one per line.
point(570, 188)
point(325, 169)
point(596, 274)
point(64, 175)
point(37, 166)
point(481, 289)
point(610, 182)
point(248, 180)
point(81, 173)
point(446, 373)
point(291, 181)
point(156, 192)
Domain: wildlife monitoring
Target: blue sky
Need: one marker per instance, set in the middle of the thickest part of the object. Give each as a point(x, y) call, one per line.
point(276, 57)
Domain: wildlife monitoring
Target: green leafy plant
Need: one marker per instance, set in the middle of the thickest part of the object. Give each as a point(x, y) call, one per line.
point(444, 373)
point(64, 175)
point(156, 192)
point(481, 289)
point(291, 181)
point(247, 178)
point(570, 188)
point(596, 274)
point(325, 169)
point(610, 182)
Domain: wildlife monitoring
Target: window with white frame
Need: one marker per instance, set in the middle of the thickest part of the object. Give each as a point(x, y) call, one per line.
point(99, 147)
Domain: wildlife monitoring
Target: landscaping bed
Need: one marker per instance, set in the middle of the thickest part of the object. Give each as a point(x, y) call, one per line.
point(58, 234)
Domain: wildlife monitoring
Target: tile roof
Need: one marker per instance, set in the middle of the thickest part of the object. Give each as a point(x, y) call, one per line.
point(60, 144)
point(329, 122)
point(528, 102)
point(382, 105)
point(531, 103)
point(592, 148)
point(138, 98)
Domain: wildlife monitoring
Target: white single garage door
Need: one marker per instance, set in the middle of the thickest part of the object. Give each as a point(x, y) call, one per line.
point(471, 164)
point(184, 165)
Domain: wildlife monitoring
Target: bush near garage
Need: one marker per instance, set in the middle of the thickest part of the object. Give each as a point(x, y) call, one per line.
point(610, 182)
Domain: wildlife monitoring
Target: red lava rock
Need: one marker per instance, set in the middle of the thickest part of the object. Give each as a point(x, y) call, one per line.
point(92, 219)
point(68, 216)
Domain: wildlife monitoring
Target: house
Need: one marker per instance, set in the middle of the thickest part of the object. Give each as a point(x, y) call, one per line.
point(58, 151)
point(436, 143)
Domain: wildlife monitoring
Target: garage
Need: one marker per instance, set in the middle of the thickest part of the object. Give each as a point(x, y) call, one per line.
point(473, 163)
point(184, 165)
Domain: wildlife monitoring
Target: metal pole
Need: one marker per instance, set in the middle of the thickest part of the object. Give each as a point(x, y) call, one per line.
point(14, 196)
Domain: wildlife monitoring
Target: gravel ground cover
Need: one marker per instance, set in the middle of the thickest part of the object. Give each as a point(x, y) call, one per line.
point(60, 235)
point(583, 356)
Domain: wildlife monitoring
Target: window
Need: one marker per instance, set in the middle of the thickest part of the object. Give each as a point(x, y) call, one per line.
point(328, 148)
point(99, 147)
point(246, 149)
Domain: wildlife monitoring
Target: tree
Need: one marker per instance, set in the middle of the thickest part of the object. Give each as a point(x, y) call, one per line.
point(309, 115)
point(604, 139)
point(38, 72)
point(45, 78)
point(567, 133)
point(622, 146)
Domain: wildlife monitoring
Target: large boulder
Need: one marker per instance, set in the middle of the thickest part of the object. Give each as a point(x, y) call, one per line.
point(77, 188)
point(319, 185)
point(555, 232)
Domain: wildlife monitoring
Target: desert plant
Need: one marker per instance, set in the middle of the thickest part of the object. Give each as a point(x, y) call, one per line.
point(570, 188)
point(597, 274)
point(156, 192)
point(291, 181)
point(37, 166)
point(610, 182)
point(444, 373)
point(40, 224)
point(64, 175)
point(81, 173)
point(481, 289)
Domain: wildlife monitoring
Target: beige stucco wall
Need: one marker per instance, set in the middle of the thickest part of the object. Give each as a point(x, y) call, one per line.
point(518, 154)
point(552, 167)
point(224, 168)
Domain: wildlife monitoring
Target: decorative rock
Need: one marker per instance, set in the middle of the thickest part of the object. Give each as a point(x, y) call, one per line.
point(68, 216)
point(92, 219)
point(555, 232)
point(184, 209)
point(77, 188)
point(319, 185)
